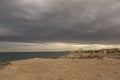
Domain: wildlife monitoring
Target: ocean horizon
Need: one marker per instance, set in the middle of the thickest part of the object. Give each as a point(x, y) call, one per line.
point(12, 56)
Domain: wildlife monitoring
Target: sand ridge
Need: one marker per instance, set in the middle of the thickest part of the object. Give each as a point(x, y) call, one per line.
point(62, 69)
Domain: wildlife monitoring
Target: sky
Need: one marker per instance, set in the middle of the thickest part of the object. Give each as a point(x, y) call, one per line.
point(58, 25)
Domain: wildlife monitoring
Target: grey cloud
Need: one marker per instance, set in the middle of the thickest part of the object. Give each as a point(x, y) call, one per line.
point(85, 21)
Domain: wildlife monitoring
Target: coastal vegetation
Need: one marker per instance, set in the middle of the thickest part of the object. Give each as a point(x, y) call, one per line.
point(99, 54)
point(4, 64)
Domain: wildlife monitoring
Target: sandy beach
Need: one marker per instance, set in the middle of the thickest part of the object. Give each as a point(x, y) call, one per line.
point(62, 69)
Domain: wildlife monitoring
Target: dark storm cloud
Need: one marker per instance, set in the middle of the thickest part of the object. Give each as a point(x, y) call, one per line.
point(85, 21)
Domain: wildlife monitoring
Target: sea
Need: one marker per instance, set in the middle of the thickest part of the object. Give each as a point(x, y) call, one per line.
point(12, 56)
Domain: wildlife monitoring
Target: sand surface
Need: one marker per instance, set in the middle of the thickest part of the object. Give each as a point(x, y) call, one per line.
point(62, 69)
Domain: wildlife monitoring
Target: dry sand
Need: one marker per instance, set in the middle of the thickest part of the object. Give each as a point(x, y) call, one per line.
point(62, 69)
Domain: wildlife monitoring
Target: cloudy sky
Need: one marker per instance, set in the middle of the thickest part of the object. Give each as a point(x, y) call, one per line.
point(57, 25)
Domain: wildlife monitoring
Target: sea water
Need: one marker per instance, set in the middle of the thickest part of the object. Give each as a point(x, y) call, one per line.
point(11, 56)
